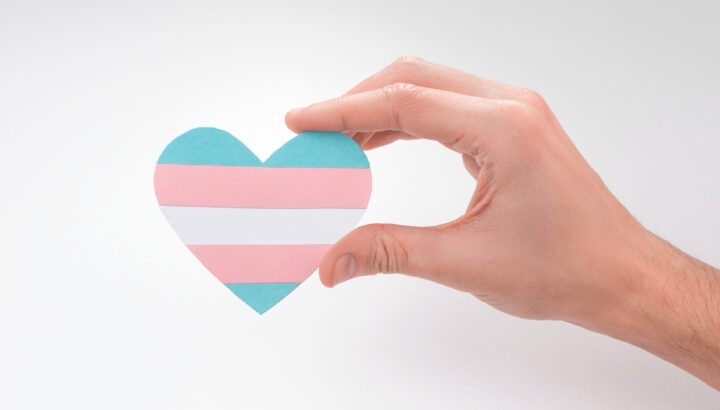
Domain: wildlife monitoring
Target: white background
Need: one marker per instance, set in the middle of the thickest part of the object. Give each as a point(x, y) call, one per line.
point(101, 306)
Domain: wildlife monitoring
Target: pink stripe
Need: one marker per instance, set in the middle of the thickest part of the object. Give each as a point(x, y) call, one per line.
point(262, 187)
point(260, 263)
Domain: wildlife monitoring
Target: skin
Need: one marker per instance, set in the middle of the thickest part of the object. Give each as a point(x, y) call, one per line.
point(542, 237)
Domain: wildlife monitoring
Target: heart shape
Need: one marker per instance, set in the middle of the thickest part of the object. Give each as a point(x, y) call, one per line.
point(262, 227)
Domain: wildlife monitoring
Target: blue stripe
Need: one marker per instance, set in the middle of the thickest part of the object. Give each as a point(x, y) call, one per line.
point(208, 146)
point(261, 296)
point(311, 149)
point(319, 149)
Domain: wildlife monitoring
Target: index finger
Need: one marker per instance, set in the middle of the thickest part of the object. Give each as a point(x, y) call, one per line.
point(457, 120)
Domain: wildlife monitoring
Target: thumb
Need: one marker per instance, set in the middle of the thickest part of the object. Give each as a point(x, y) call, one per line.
point(381, 248)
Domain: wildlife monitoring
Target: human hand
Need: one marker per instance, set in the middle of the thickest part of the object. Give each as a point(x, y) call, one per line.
point(540, 224)
point(542, 237)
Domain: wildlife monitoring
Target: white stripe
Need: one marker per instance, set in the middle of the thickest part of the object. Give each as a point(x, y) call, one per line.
point(251, 226)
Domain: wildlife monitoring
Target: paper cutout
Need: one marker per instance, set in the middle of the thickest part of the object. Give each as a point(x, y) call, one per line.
point(200, 185)
point(262, 228)
point(262, 296)
point(259, 263)
point(207, 225)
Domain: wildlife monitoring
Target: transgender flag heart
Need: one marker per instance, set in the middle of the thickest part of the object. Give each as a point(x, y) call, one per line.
point(261, 228)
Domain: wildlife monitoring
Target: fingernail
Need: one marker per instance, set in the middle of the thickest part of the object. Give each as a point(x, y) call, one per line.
point(344, 269)
point(295, 110)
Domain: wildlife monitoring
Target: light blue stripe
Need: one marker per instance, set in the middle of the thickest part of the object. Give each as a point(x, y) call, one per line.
point(261, 296)
point(208, 146)
point(319, 149)
point(311, 149)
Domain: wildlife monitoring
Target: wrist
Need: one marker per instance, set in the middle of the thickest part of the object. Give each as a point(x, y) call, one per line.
point(667, 303)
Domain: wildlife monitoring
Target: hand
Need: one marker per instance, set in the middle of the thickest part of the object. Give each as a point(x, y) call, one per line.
point(542, 237)
point(540, 223)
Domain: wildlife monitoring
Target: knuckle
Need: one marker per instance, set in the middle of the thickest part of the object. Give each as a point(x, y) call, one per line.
point(408, 61)
point(398, 93)
point(397, 97)
point(533, 97)
point(535, 100)
point(522, 118)
point(388, 254)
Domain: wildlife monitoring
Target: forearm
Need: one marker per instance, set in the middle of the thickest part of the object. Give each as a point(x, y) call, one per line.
point(672, 311)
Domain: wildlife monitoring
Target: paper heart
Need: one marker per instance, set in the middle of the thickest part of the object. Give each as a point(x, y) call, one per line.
point(262, 228)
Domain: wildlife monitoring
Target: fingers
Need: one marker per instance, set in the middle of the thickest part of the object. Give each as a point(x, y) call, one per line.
point(382, 248)
point(450, 118)
point(375, 139)
point(414, 70)
point(382, 138)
